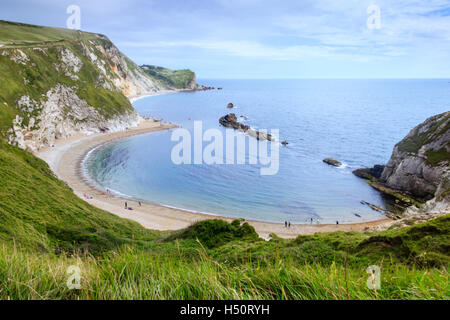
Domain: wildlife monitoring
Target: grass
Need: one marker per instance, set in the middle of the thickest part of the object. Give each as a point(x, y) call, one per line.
point(41, 213)
point(435, 158)
point(41, 71)
point(45, 228)
point(15, 33)
point(38, 75)
point(176, 79)
point(131, 273)
point(418, 139)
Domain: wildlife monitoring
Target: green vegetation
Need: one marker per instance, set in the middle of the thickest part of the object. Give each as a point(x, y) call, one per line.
point(437, 157)
point(40, 212)
point(14, 33)
point(176, 79)
point(413, 143)
point(44, 228)
point(41, 71)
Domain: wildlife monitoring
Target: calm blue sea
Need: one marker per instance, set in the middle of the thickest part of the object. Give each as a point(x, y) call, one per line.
point(355, 121)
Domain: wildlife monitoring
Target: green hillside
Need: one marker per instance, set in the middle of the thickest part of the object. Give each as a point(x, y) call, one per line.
point(176, 79)
point(14, 33)
point(44, 228)
point(41, 50)
point(40, 212)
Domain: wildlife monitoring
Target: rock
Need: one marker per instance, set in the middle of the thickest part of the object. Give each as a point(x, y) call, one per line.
point(230, 121)
point(433, 208)
point(419, 166)
point(230, 106)
point(369, 173)
point(419, 161)
point(332, 162)
point(372, 206)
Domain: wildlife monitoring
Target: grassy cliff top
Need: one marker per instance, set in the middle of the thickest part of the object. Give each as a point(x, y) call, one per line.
point(435, 128)
point(15, 33)
point(177, 79)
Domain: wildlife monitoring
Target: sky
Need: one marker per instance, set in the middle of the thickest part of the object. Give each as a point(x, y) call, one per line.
point(247, 39)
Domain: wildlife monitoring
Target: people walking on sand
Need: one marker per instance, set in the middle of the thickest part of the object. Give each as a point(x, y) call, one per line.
point(337, 222)
point(311, 220)
point(285, 224)
point(126, 205)
point(289, 224)
point(140, 204)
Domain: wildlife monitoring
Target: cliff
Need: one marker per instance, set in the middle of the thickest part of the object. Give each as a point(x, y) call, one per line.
point(57, 82)
point(420, 160)
point(173, 79)
point(419, 169)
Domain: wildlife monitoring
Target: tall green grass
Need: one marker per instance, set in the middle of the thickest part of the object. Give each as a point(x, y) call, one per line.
point(131, 273)
point(45, 228)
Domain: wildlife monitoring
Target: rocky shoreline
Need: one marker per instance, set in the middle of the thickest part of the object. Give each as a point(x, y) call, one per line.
point(417, 174)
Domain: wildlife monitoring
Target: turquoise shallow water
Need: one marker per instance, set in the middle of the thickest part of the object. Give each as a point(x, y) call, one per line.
point(355, 121)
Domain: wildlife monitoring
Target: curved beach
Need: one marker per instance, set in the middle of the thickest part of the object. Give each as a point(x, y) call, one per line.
point(66, 157)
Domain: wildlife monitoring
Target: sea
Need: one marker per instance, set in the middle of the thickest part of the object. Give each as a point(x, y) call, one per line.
point(357, 122)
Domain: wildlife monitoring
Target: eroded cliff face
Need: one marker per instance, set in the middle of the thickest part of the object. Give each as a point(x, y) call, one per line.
point(55, 89)
point(62, 114)
point(431, 209)
point(419, 161)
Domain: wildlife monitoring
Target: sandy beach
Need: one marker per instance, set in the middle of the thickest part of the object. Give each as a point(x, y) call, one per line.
point(65, 159)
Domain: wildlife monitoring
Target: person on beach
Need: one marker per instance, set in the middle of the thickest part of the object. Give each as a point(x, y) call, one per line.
point(337, 222)
point(140, 205)
point(289, 224)
point(126, 205)
point(311, 220)
point(285, 224)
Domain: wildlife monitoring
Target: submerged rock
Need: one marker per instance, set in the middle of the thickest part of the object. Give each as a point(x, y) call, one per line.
point(332, 162)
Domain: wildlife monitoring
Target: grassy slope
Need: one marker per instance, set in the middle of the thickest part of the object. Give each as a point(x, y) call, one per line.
point(13, 33)
point(44, 228)
point(39, 212)
point(177, 79)
point(39, 75)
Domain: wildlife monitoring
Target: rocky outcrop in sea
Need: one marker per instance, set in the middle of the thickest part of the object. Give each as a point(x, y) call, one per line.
point(332, 162)
point(230, 121)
